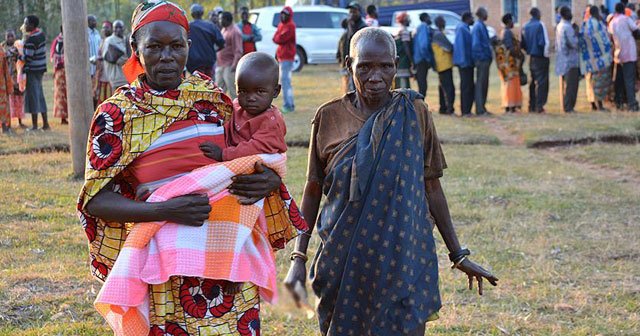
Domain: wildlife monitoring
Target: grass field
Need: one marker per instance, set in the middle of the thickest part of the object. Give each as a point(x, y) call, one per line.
point(558, 226)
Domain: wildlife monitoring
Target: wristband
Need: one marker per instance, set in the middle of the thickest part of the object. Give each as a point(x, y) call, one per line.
point(297, 254)
point(456, 256)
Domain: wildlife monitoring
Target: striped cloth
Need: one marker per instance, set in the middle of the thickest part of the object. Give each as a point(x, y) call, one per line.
point(232, 245)
point(35, 52)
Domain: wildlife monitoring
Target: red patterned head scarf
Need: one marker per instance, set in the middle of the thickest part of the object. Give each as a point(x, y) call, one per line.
point(147, 12)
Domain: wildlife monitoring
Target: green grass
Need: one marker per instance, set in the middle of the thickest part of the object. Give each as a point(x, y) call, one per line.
point(556, 228)
point(623, 158)
point(560, 239)
point(549, 128)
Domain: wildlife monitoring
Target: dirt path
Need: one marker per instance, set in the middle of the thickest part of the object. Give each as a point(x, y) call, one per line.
point(626, 176)
point(507, 138)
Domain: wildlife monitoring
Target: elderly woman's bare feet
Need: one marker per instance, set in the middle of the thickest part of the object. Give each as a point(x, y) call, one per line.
point(232, 288)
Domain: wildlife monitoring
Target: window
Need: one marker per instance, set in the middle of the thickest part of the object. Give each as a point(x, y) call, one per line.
point(253, 17)
point(313, 20)
point(451, 21)
point(336, 19)
point(560, 3)
point(511, 6)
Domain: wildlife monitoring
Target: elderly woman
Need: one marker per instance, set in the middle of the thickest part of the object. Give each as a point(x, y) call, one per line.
point(147, 134)
point(376, 157)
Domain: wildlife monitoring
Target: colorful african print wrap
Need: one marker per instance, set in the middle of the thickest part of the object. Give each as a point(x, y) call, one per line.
point(509, 62)
point(147, 12)
point(231, 245)
point(376, 271)
point(595, 47)
point(6, 88)
point(123, 127)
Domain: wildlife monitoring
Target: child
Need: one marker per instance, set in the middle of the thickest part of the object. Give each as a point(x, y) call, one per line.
point(256, 126)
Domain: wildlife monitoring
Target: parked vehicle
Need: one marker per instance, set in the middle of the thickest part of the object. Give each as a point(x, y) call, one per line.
point(452, 20)
point(318, 29)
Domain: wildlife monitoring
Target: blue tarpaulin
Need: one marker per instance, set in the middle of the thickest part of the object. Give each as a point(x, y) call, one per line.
point(385, 13)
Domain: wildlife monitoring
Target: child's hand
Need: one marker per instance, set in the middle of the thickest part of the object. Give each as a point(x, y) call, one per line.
point(211, 150)
point(232, 288)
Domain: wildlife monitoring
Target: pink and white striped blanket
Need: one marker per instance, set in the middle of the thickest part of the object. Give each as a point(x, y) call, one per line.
point(232, 245)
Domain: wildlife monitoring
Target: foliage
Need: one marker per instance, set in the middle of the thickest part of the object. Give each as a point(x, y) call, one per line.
point(48, 11)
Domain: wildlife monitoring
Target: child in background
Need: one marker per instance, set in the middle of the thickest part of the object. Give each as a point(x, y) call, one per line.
point(256, 126)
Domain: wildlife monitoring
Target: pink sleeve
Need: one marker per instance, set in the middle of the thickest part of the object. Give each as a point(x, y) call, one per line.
point(267, 139)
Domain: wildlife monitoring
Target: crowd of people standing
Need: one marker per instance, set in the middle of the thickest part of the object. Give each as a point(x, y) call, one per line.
point(601, 49)
point(217, 46)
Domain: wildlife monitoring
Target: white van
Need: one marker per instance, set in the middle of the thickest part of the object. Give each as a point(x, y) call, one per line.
point(318, 30)
point(451, 20)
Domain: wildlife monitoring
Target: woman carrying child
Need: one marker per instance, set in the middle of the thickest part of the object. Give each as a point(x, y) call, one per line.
point(142, 138)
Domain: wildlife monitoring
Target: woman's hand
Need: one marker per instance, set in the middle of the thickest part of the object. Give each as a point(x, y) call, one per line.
point(254, 187)
point(190, 210)
point(297, 274)
point(475, 271)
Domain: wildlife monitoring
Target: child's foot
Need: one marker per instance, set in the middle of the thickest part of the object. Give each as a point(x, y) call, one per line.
point(287, 110)
point(64, 122)
point(232, 288)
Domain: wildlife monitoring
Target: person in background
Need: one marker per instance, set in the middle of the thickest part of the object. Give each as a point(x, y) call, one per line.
point(422, 52)
point(285, 38)
point(6, 88)
point(229, 56)
point(59, 79)
point(443, 59)
point(509, 61)
point(94, 38)
point(482, 57)
point(595, 47)
point(16, 100)
point(372, 16)
point(341, 57)
point(214, 17)
point(355, 23)
point(101, 86)
point(637, 22)
point(114, 55)
point(204, 38)
point(35, 65)
point(567, 60)
point(250, 32)
point(463, 60)
point(535, 42)
point(625, 57)
point(405, 54)
point(632, 9)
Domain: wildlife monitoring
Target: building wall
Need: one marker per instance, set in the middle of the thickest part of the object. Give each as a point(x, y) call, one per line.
point(547, 8)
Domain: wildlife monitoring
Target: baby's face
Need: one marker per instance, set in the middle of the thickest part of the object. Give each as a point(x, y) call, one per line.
point(256, 91)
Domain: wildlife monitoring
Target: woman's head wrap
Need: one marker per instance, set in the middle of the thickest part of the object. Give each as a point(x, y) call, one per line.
point(147, 12)
point(401, 17)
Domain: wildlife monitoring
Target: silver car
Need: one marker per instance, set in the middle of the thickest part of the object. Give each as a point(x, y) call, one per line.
point(318, 30)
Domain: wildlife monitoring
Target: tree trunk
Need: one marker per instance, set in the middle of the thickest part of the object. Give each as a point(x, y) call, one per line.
point(79, 88)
